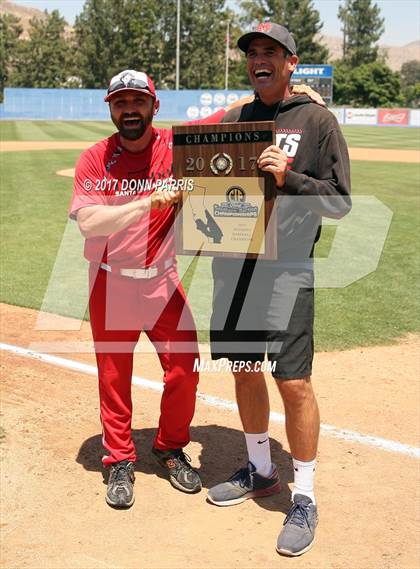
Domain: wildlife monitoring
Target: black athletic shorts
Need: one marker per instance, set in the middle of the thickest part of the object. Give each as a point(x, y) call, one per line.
point(259, 308)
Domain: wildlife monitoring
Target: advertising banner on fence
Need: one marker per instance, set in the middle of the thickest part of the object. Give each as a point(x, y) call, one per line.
point(183, 105)
point(338, 113)
point(393, 117)
point(194, 105)
point(88, 104)
point(361, 116)
point(415, 117)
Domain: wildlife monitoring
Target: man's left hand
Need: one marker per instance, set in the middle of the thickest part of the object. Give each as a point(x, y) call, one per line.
point(274, 160)
point(306, 90)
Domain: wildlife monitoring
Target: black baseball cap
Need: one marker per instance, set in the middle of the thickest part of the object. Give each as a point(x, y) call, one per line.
point(276, 32)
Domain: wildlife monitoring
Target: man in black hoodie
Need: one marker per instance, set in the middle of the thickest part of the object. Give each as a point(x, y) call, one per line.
point(261, 306)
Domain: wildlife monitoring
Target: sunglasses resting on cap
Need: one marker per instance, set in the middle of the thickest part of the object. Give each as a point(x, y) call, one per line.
point(130, 80)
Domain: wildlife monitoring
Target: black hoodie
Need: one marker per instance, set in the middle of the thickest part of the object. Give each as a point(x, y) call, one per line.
point(318, 181)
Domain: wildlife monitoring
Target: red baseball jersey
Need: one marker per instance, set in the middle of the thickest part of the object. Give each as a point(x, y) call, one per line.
point(108, 174)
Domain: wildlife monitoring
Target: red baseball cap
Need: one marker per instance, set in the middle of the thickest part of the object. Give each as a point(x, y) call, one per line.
point(130, 80)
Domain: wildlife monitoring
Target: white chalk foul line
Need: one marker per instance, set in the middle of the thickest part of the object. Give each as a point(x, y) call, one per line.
point(330, 430)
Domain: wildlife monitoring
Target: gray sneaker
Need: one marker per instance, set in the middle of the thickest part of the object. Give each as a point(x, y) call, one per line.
point(120, 492)
point(181, 474)
point(297, 535)
point(244, 484)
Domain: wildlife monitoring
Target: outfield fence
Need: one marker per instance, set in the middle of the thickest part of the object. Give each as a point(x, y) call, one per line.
point(88, 104)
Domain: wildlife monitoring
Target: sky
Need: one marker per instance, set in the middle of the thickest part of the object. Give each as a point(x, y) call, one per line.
point(402, 17)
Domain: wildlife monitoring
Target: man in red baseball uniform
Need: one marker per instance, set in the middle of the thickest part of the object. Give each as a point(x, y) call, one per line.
point(122, 199)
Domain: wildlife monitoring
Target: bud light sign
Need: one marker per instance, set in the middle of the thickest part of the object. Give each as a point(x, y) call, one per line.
point(319, 71)
point(393, 116)
point(319, 77)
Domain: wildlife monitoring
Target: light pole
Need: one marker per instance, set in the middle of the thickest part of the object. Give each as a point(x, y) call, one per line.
point(178, 33)
point(227, 57)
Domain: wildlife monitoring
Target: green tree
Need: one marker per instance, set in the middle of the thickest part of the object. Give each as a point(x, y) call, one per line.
point(411, 95)
point(410, 73)
point(301, 19)
point(41, 59)
point(203, 47)
point(118, 34)
point(97, 32)
point(362, 28)
point(149, 39)
point(410, 82)
point(113, 35)
point(372, 84)
point(342, 94)
point(10, 30)
point(238, 76)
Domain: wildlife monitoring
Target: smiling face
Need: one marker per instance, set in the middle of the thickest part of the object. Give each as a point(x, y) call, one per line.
point(269, 66)
point(132, 113)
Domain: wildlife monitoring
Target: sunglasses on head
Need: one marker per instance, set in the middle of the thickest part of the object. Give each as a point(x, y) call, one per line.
point(132, 84)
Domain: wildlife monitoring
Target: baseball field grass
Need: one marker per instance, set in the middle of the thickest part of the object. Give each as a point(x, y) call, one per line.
point(379, 308)
point(356, 136)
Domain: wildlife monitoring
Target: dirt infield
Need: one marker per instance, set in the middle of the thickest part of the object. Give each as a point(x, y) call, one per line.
point(26, 145)
point(53, 509)
point(384, 155)
point(367, 154)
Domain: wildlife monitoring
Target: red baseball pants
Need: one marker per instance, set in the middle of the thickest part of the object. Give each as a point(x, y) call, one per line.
point(120, 308)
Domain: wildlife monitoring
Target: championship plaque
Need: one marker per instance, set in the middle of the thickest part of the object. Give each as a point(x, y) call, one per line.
point(227, 207)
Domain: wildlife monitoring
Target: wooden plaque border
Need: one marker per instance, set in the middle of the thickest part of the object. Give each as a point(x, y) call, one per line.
point(241, 139)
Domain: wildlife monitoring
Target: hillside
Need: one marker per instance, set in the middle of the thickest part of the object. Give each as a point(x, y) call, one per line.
point(396, 55)
point(21, 12)
point(24, 14)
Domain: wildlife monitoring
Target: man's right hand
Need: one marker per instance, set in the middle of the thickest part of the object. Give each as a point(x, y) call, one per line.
point(103, 220)
point(162, 199)
point(274, 160)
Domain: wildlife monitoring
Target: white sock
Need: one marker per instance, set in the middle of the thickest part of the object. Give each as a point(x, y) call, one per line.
point(304, 478)
point(258, 445)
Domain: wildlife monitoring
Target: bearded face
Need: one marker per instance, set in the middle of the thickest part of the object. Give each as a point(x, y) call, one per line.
point(132, 113)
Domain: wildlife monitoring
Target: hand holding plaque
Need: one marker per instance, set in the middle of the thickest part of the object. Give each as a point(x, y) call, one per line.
point(230, 203)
